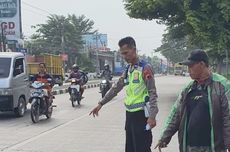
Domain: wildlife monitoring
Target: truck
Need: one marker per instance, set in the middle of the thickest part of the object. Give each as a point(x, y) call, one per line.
point(180, 69)
point(54, 66)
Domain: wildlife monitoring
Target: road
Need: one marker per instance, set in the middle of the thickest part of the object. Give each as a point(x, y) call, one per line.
point(73, 130)
point(90, 82)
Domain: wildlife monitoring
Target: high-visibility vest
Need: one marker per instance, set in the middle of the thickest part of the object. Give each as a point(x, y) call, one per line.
point(136, 90)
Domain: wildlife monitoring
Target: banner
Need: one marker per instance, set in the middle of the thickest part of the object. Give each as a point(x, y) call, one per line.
point(10, 19)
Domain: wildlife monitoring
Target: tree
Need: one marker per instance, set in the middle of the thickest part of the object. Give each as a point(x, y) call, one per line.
point(82, 24)
point(206, 23)
point(175, 49)
point(211, 23)
point(85, 63)
point(156, 63)
point(61, 34)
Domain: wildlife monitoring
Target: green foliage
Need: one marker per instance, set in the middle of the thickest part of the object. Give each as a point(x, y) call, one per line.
point(175, 49)
point(85, 63)
point(205, 23)
point(61, 34)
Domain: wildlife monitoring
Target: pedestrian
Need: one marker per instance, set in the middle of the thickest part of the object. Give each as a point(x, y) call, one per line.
point(140, 101)
point(201, 114)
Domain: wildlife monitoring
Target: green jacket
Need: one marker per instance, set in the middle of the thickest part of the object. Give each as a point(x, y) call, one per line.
point(219, 104)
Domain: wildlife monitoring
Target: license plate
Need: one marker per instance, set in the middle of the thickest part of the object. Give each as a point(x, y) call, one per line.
point(104, 81)
point(75, 87)
point(35, 93)
point(103, 85)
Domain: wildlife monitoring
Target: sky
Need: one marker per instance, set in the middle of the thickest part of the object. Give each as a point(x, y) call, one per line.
point(109, 16)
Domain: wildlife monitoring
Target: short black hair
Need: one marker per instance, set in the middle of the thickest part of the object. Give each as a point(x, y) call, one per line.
point(129, 41)
point(43, 64)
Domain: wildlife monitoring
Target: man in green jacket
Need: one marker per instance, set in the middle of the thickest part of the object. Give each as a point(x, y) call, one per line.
point(201, 114)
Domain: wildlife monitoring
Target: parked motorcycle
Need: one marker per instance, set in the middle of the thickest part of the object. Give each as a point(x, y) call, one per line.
point(39, 99)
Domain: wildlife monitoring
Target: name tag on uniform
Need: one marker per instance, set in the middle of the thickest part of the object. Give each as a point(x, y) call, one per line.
point(136, 77)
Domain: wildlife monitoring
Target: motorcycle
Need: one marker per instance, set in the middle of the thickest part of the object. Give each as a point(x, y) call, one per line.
point(75, 93)
point(39, 99)
point(104, 87)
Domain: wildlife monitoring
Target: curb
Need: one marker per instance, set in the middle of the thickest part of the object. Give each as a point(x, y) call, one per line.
point(64, 91)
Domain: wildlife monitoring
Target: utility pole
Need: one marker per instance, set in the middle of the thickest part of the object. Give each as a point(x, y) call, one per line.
point(97, 58)
point(3, 38)
point(167, 65)
point(1, 44)
point(4, 42)
point(63, 45)
point(227, 62)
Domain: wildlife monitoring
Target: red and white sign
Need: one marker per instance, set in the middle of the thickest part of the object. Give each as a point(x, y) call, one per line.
point(104, 49)
point(64, 57)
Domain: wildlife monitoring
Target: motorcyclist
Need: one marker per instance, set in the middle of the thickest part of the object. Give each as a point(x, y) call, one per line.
point(77, 74)
point(107, 73)
point(43, 77)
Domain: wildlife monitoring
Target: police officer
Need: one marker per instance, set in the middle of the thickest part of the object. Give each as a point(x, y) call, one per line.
point(140, 101)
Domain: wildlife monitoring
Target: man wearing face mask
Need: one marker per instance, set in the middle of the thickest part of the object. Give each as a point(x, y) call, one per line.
point(201, 114)
point(140, 101)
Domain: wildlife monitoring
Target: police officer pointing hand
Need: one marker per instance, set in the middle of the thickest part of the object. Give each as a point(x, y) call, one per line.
point(140, 101)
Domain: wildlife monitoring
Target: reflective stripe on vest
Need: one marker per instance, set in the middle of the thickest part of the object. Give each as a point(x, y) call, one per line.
point(134, 106)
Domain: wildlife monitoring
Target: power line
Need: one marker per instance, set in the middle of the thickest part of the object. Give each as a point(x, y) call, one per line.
point(35, 7)
point(33, 12)
point(26, 25)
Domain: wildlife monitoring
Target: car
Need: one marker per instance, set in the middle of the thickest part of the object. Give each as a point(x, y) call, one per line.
point(187, 74)
point(14, 80)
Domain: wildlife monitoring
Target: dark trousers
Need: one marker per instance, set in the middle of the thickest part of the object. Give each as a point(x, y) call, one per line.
point(137, 138)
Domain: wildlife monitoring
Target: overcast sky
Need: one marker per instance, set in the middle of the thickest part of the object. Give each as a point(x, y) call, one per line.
point(109, 17)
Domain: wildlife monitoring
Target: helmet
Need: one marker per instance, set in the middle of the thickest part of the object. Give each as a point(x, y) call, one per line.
point(75, 66)
point(106, 66)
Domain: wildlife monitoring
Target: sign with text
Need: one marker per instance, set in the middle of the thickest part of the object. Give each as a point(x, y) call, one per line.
point(10, 19)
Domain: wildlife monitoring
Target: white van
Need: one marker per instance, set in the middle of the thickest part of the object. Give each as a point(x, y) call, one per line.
point(14, 83)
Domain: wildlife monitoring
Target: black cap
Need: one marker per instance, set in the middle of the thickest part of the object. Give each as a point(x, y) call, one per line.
point(196, 56)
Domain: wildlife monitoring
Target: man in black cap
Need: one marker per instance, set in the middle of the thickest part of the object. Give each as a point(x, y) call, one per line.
point(201, 114)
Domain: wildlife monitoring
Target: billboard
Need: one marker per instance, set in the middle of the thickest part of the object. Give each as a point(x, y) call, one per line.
point(95, 40)
point(118, 69)
point(10, 21)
